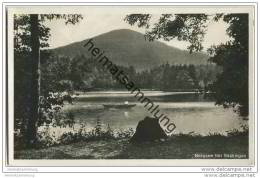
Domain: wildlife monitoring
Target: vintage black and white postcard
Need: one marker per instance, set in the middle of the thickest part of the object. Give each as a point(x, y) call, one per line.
point(130, 85)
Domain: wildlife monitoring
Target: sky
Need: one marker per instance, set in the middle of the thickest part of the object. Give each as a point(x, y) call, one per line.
point(96, 24)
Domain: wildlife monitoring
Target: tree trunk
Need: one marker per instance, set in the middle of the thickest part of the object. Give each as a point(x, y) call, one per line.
point(35, 87)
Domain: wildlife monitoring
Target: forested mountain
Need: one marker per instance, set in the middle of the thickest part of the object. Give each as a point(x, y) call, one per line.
point(150, 65)
point(82, 73)
point(129, 48)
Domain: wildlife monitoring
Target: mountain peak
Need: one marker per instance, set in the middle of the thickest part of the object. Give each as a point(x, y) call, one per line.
point(122, 33)
point(123, 30)
point(128, 47)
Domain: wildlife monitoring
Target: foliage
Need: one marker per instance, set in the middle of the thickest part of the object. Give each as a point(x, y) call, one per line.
point(236, 132)
point(46, 138)
point(184, 27)
point(22, 28)
point(24, 70)
point(178, 77)
point(51, 114)
point(59, 72)
point(178, 146)
point(231, 86)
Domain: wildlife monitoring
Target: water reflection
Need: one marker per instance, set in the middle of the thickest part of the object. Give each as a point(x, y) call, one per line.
point(126, 114)
point(190, 112)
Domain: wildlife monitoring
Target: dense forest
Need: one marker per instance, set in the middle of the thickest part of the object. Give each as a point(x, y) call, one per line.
point(85, 74)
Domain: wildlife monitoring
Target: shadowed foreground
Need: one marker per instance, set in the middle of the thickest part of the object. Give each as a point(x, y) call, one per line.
point(176, 147)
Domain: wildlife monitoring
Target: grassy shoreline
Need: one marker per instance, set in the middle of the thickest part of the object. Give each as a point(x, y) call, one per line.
point(181, 146)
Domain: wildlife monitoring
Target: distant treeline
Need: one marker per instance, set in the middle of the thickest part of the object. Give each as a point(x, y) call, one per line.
point(84, 74)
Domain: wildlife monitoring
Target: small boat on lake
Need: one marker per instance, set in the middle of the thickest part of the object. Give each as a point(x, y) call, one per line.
point(119, 106)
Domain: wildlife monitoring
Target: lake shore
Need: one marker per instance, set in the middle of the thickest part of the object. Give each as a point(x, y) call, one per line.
point(180, 146)
point(187, 110)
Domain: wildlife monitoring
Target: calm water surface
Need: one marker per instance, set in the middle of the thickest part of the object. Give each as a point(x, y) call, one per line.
point(190, 112)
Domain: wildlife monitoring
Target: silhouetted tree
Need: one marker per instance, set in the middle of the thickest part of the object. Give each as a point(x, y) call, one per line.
point(231, 86)
point(30, 36)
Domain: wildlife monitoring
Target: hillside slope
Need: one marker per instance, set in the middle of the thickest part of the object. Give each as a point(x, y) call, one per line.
point(129, 48)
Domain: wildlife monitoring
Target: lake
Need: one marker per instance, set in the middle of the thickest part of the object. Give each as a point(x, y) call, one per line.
point(189, 111)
